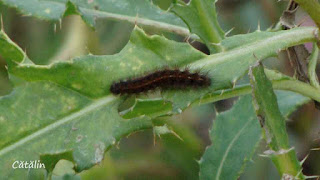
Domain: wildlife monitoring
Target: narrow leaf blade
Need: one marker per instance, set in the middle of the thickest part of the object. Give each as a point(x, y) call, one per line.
point(201, 18)
point(273, 123)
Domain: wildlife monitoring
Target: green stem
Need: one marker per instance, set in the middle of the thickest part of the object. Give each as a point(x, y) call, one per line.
point(286, 161)
point(312, 67)
point(312, 7)
point(289, 85)
point(298, 87)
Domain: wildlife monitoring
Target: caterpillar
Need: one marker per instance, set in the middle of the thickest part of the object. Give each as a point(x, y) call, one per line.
point(161, 79)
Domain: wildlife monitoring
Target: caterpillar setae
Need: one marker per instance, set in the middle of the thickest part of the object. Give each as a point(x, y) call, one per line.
point(161, 79)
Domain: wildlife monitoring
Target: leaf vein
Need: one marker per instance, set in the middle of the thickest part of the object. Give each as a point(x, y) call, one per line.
point(229, 148)
point(96, 104)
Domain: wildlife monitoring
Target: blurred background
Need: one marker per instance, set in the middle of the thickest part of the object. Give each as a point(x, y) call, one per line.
point(137, 156)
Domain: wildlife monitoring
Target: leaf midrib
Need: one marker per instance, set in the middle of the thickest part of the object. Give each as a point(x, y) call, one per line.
point(138, 20)
point(229, 148)
point(92, 106)
point(255, 46)
point(135, 20)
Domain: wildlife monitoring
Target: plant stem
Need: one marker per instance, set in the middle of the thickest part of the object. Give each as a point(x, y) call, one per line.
point(312, 7)
point(290, 85)
point(298, 87)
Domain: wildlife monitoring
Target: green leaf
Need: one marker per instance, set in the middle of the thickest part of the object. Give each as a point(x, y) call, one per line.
point(201, 18)
point(50, 160)
point(55, 98)
point(239, 40)
point(265, 103)
point(313, 59)
point(9, 50)
point(235, 134)
point(273, 124)
point(50, 119)
point(141, 12)
point(93, 75)
point(145, 54)
point(64, 171)
point(226, 68)
point(182, 147)
point(148, 107)
point(289, 102)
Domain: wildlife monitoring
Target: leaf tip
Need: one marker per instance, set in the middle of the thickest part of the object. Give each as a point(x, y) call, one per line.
point(71, 9)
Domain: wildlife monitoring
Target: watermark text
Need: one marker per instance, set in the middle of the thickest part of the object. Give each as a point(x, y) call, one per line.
point(36, 164)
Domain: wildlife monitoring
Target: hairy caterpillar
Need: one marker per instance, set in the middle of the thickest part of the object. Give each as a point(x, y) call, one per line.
point(161, 79)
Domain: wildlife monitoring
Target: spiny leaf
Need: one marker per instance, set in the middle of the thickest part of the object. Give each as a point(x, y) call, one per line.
point(54, 109)
point(266, 106)
point(145, 54)
point(92, 75)
point(50, 119)
point(235, 134)
point(141, 12)
point(273, 124)
point(148, 107)
point(201, 18)
point(9, 50)
point(226, 68)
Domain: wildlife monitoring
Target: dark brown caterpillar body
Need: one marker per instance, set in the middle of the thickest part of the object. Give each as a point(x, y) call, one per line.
point(162, 79)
